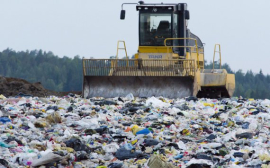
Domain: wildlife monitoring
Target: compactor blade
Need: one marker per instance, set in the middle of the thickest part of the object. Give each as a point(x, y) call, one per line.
point(139, 86)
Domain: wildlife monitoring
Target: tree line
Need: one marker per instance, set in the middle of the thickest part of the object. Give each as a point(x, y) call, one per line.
point(65, 74)
point(55, 73)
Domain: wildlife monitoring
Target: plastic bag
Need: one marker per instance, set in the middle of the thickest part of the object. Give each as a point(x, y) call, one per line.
point(48, 158)
point(54, 118)
point(158, 161)
point(129, 97)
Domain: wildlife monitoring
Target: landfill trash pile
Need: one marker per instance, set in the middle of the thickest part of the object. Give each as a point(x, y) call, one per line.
point(130, 132)
point(14, 86)
point(19, 87)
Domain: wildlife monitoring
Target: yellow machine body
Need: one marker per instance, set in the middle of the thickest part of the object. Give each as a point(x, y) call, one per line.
point(172, 70)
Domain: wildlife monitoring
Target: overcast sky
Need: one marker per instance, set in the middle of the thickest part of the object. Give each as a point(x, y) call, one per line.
point(91, 28)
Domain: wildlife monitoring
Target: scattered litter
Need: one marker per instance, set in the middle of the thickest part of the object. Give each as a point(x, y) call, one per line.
point(124, 132)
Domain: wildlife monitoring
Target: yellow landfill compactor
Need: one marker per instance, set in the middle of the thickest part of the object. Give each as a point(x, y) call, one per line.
point(169, 62)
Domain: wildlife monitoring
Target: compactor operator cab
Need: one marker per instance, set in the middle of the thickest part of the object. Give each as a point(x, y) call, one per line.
point(160, 21)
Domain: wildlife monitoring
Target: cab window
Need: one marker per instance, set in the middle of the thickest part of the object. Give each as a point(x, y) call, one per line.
point(154, 28)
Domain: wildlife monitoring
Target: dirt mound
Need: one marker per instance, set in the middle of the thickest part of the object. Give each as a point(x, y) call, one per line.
point(20, 87)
